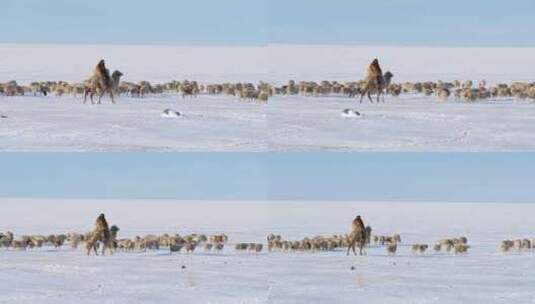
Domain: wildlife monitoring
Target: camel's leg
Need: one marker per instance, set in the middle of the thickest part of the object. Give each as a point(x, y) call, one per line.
point(86, 92)
point(111, 96)
point(362, 95)
point(370, 97)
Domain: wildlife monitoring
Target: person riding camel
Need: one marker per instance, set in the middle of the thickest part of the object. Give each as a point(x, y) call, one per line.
point(374, 72)
point(357, 236)
point(358, 224)
point(102, 75)
point(101, 228)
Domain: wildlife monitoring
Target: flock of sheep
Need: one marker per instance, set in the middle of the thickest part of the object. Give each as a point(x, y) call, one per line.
point(245, 91)
point(465, 91)
point(518, 245)
point(217, 242)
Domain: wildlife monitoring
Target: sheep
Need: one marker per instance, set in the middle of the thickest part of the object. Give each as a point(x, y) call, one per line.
point(375, 239)
point(74, 239)
point(461, 248)
point(6, 239)
point(517, 244)
point(444, 94)
point(190, 247)
point(219, 247)
point(241, 246)
point(419, 248)
point(208, 247)
point(391, 248)
point(258, 247)
point(526, 244)
point(506, 245)
point(175, 248)
point(219, 238)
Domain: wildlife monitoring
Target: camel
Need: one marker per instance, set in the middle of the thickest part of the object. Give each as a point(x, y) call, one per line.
point(101, 233)
point(374, 82)
point(357, 236)
point(101, 83)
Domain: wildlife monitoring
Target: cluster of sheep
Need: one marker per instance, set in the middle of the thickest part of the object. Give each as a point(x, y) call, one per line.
point(465, 91)
point(443, 90)
point(390, 242)
point(245, 91)
point(262, 91)
point(518, 245)
point(26, 242)
point(175, 243)
point(312, 244)
point(249, 247)
point(215, 243)
point(458, 245)
point(325, 88)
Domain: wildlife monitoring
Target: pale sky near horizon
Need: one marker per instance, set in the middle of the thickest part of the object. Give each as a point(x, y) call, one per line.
point(258, 22)
point(453, 177)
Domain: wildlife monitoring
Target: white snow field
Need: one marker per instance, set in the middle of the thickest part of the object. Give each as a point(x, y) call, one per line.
point(409, 123)
point(484, 275)
point(208, 123)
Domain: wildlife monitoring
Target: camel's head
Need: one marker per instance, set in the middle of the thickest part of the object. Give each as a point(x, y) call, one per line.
point(117, 73)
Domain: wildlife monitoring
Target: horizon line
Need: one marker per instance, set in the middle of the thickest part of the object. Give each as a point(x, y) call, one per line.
point(257, 45)
point(226, 200)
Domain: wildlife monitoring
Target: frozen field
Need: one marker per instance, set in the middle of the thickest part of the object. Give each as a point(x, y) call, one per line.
point(408, 123)
point(65, 276)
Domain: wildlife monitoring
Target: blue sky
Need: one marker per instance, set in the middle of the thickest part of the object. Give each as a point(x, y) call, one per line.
point(505, 177)
point(257, 22)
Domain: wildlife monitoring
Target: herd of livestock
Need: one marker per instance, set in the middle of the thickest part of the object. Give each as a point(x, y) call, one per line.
point(262, 91)
point(216, 243)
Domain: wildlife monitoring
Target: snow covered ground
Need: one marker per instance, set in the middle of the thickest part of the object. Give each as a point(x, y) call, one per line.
point(410, 123)
point(64, 276)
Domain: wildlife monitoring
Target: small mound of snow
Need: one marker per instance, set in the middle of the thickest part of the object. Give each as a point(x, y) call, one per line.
point(350, 113)
point(168, 113)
